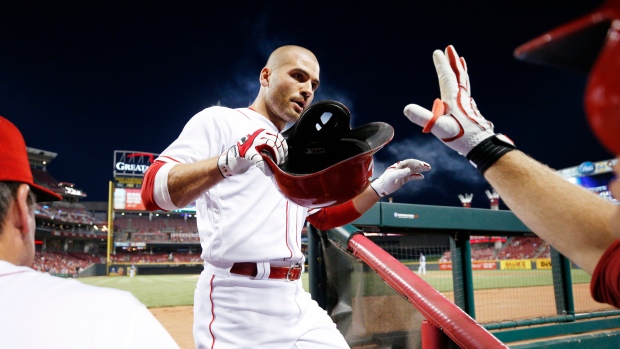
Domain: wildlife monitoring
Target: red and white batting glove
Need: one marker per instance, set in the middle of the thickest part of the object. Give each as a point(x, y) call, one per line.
point(397, 175)
point(246, 153)
point(455, 118)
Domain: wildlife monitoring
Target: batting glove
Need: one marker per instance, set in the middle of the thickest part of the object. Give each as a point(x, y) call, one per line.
point(246, 153)
point(455, 118)
point(397, 175)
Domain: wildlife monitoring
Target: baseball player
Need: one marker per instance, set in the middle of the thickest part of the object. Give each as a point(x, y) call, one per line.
point(581, 225)
point(43, 311)
point(250, 294)
point(422, 266)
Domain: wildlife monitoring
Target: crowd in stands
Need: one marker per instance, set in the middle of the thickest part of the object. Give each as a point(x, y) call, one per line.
point(64, 263)
point(72, 263)
point(66, 212)
point(147, 257)
point(525, 248)
point(66, 218)
point(146, 229)
point(513, 248)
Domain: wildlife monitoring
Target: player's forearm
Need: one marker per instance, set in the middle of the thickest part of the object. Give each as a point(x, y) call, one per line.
point(186, 182)
point(570, 218)
point(364, 201)
point(345, 213)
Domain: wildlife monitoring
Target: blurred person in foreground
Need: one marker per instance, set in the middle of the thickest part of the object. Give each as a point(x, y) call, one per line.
point(37, 308)
point(581, 225)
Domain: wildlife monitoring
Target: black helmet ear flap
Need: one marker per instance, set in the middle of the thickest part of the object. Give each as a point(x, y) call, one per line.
point(319, 139)
point(322, 121)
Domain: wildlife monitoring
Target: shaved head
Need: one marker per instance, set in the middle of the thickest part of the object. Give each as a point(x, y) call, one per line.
point(288, 53)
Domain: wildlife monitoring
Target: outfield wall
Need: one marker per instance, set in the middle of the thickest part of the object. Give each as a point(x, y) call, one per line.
point(120, 269)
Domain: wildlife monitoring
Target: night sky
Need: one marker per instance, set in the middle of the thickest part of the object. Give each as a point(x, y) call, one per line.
point(85, 79)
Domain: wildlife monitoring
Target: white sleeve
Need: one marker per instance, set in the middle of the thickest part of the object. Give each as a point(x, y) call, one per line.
point(203, 137)
point(160, 190)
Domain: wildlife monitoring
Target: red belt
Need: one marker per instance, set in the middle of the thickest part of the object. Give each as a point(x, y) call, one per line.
point(250, 269)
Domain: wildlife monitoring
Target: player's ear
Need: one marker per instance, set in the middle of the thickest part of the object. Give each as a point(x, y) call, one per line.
point(265, 74)
point(21, 210)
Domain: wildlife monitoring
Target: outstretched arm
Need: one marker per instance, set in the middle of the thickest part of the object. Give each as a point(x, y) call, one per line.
point(171, 185)
point(186, 182)
point(572, 219)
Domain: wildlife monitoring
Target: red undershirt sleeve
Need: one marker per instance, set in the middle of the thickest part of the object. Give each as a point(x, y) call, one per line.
point(334, 216)
point(148, 186)
point(605, 283)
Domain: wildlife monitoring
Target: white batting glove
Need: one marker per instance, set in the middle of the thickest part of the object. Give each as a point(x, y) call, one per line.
point(246, 153)
point(455, 118)
point(397, 175)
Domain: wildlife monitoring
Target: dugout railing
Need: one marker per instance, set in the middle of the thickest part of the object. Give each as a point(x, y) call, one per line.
point(344, 266)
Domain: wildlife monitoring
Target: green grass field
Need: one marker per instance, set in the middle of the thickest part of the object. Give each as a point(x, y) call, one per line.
point(177, 290)
point(153, 290)
point(157, 290)
point(483, 279)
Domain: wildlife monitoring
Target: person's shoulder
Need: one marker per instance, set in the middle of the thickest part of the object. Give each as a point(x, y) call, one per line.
point(61, 288)
point(77, 290)
point(217, 110)
point(219, 114)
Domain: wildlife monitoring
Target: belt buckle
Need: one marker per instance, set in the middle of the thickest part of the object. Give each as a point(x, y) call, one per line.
point(288, 273)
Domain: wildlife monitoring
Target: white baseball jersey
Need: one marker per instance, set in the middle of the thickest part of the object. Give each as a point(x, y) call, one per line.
point(244, 218)
point(43, 311)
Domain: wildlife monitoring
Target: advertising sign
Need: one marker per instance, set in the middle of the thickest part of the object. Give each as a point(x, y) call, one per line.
point(128, 199)
point(128, 163)
point(484, 265)
point(515, 264)
point(474, 266)
point(543, 263)
point(117, 270)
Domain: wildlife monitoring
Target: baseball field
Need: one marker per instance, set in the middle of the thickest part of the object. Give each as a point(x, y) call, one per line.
point(170, 297)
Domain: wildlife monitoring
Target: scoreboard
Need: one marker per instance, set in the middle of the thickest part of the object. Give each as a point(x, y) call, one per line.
point(594, 176)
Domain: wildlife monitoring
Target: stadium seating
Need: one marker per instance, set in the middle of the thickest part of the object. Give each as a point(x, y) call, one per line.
point(62, 263)
point(514, 248)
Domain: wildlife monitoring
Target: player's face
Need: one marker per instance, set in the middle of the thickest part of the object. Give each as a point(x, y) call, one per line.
point(291, 88)
point(614, 187)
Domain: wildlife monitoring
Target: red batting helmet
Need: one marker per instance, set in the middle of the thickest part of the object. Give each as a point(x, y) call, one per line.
point(328, 163)
point(588, 44)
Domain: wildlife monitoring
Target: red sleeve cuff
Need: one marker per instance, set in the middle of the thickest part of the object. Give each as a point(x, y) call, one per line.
point(148, 186)
point(605, 283)
point(334, 216)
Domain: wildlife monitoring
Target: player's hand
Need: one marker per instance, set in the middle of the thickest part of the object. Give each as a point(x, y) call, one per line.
point(398, 174)
point(246, 153)
point(454, 119)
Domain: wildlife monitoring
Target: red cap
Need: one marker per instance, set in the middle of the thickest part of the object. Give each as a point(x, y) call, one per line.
point(14, 165)
point(589, 44)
